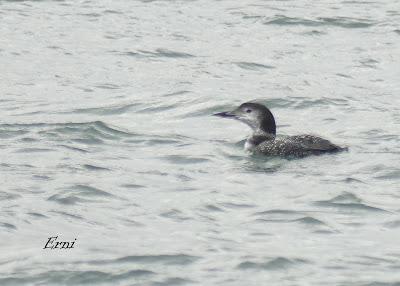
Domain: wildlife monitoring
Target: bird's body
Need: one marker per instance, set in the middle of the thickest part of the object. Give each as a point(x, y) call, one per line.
point(296, 146)
point(264, 140)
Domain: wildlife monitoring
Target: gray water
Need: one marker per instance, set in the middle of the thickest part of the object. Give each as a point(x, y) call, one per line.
point(107, 138)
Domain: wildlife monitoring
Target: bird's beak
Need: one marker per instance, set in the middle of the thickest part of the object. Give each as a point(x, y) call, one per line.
point(226, 114)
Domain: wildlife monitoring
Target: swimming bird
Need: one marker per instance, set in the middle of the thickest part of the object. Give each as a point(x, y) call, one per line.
point(264, 140)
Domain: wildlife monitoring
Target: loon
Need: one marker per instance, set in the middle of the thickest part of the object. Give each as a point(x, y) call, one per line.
point(264, 140)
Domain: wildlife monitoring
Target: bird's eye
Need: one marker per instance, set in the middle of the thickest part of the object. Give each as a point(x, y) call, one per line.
point(248, 110)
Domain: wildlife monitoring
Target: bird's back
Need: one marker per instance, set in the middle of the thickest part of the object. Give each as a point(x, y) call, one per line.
point(296, 146)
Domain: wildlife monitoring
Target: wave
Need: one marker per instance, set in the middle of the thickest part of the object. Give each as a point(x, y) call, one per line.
point(158, 53)
point(343, 22)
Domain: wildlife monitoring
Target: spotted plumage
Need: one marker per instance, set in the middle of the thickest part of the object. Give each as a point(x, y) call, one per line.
point(264, 139)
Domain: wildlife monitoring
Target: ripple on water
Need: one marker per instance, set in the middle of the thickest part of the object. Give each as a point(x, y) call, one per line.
point(175, 93)
point(348, 202)
point(389, 175)
point(167, 259)
point(263, 165)
point(108, 86)
point(5, 196)
point(68, 215)
point(174, 281)
point(213, 208)
point(132, 186)
point(107, 110)
point(393, 224)
point(77, 277)
point(175, 215)
point(238, 206)
point(81, 150)
point(89, 132)
point(155, 140)
point(7, 133)
point(34, 150)
point(93, 130)
point(253, 66)
point(184, 160)
point(79, 193)
point(279, 212)
point(277, 263)
point(278, 215)
point(324, 101)
point(308, 220)
point(165, 53)
point(95, 168)
point(343, 22)
point(37, 215)
point(158, 107)
point(314, 33)
point(294, 217)
point(7, 226)
point(113, 12)
point(158, 53)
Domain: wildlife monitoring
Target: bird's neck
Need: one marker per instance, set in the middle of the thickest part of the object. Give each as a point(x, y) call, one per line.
point(257, 138)
point(267, 125)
